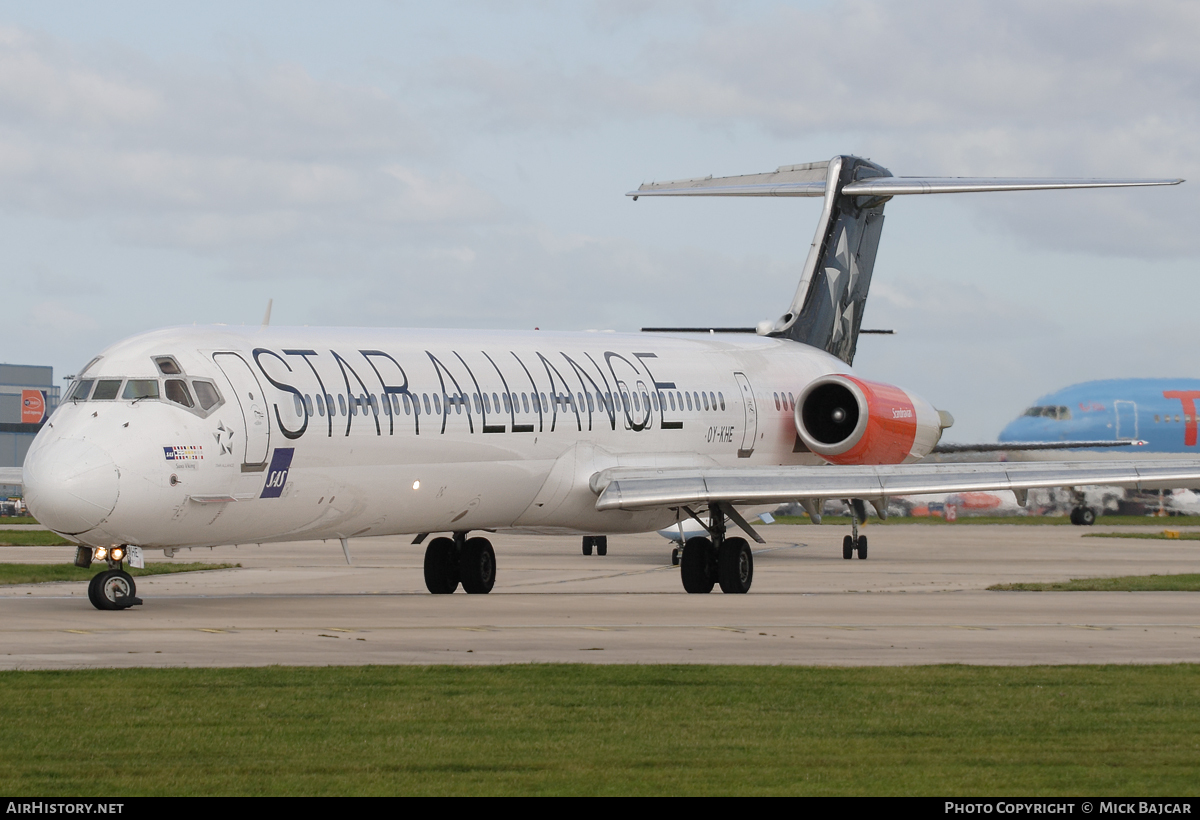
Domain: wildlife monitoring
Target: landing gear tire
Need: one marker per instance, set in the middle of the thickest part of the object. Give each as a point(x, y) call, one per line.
point(601, 544)
point(588, 542)
point(441, 567)
point(113, 589)
point(1083, 516)
point(94, 590)
point(697, 565)
point(735, 566)
point(862, 547)
point(675, 556)
point(477, 566)
point(847, 548)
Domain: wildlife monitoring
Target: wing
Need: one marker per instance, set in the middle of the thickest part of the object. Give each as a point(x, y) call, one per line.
point(642, 489)
point(11, 476)
point(1008, 446)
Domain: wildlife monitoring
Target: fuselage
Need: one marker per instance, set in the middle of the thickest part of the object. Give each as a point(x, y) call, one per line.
point(1160, 412)
point(215, 435)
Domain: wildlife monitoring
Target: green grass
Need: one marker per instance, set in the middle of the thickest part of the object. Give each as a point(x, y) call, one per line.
point(32, 538)
point(580, 729)
point(1123, 583)
point(18, 519)
point(1154, 536)
point(43, 573)
point(1025, 520)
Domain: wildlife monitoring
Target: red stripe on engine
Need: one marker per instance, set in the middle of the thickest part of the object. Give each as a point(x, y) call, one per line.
point(891, 427)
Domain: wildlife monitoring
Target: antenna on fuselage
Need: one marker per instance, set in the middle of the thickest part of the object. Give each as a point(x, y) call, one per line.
point(267, 315)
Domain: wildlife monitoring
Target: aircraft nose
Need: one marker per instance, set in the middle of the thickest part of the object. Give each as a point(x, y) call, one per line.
point(70, 485)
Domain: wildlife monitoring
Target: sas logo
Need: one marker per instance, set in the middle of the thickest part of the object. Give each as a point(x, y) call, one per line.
point(277, 473)
point(184, 452)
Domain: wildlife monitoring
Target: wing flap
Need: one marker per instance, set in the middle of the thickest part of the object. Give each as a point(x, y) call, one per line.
point(632, 489)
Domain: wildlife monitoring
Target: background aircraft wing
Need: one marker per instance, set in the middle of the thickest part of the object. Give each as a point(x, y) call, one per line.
point(1035, 445)
point(640, 489)
point(11, 475)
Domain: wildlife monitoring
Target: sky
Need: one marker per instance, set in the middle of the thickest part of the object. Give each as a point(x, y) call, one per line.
point(464, 164)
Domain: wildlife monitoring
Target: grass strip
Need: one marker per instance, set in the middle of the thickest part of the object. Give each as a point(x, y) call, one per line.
point(32, 538)
point(18, 519)
point(1124, 583)
point(1020, 520)
point(602, 730)
point(45, 573)
point(1153, 536)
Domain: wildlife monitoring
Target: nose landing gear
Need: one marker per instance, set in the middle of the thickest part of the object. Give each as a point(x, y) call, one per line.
point(114, 587)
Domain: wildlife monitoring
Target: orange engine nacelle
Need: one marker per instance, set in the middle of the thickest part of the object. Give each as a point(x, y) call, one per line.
point(847, 420)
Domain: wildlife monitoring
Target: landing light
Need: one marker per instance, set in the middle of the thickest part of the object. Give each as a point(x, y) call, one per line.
point(117, 553)
point(416, 485)
point(101, 553)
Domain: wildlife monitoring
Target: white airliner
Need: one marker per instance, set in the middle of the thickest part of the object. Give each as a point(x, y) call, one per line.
point(189, 437)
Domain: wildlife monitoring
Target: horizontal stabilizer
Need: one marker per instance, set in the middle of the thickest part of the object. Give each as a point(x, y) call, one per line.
point(643, 489)
point(1010, 446)
point(810, 180)
point(897, 186)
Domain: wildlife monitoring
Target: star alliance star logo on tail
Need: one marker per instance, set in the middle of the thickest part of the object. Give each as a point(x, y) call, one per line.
point(224, 437)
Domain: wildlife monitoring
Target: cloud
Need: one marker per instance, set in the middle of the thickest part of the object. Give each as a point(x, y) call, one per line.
point(969, 88)
point(206, 158)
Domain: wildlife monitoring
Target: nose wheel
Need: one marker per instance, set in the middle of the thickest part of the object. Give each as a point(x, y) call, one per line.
point(113, 589)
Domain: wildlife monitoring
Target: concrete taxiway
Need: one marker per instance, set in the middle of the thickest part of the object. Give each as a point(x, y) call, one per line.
point(920, 598)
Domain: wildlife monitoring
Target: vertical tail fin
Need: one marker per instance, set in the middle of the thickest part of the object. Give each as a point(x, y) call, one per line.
point(827, 309)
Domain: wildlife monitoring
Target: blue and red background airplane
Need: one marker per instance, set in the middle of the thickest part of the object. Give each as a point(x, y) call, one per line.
point(1160, 412)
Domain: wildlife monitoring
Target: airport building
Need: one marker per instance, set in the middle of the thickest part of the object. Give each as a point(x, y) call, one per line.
point(27, 398)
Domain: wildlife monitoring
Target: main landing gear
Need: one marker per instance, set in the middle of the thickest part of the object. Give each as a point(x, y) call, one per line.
point(114, 587)
point(854, 542)
point(600, 542)
point(469, 561)
point(1083, 516)
point(706, 562)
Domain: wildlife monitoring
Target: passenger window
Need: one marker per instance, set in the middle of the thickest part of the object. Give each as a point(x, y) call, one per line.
point(206, 394)
point(688, 396)
point(80, 390)
point(308, 404)
point(437, 404)
point(295, 400)
point(590, 405)
point(705, 397)
point(342, 403)
point(671, 396)
point(167, 366)
point(177, 392)
point(140, 389)
point(721, 396)
point(777, 407)
point(407, 405)
point(320, 406)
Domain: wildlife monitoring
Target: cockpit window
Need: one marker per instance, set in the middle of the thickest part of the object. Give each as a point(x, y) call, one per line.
point(206, 394)
point(106, 390)
point(80, 390)
point(141, 389)
point(1050, 411)
point(177, 391)
point(167, 366)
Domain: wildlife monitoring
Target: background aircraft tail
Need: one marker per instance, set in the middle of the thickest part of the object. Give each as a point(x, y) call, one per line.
point(826, 312)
